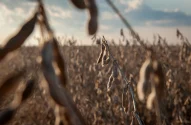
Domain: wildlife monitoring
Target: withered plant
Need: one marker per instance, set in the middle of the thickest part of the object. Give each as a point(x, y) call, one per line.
point(54, 84)
point(52, 64)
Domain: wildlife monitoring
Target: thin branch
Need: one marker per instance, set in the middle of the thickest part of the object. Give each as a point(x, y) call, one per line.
point(134, 34)
point(126, 81)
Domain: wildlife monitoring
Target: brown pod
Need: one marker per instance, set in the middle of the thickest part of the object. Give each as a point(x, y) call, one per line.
point(159, 79)
point(115, 70)
point(109, 84)
point(6, 115)
point(92, 26)
point(28, 90)
point(11, 83)
point(61, 63)
point(47, 54)
point(101, 53)
point(151, 98)
point(57, 92)
point(93, 11)
point(107, 61)
point(93, 21)
point(121, 32)
point(144, 76)
point(103, 59)
point(80, 4)
point(17, 40)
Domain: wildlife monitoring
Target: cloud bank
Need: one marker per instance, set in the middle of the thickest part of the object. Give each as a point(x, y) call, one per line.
point(143, 15)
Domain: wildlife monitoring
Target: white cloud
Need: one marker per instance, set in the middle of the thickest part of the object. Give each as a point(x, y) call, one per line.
point(175, 10)
point(132, 4)
point(29, 3)
point(8, 15)
point(58, 12)
point(168, 32)
point(104, 27)
point(158, 22)
point(5, 13)
point(106, 15)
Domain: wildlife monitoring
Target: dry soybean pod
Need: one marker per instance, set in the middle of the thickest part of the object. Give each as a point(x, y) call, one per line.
point(101, 53)
point(11, 83)
point(110, 82)
point(21, 95)
point(45, 19)
point(28, 90)
point(17, 40)
point(6, 115)
point(104, 57)
point(80, 4)
point(144, 76)
point(57, 92)
point(93, 21)
point(60, 62)
point(159, 80)
point(114, 69)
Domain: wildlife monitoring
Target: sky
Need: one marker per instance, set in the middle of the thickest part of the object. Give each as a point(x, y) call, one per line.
point(147, 17)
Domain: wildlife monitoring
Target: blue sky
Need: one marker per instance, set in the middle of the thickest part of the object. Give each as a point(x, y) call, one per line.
point(147, 17)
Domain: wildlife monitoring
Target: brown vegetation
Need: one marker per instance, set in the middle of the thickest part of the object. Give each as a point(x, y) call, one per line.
point(53, 84)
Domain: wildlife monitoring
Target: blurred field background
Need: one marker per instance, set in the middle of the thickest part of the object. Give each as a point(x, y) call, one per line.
point(88, 85)
point(87, 80)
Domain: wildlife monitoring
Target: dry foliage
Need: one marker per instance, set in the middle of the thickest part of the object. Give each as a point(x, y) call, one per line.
point(56, 84)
